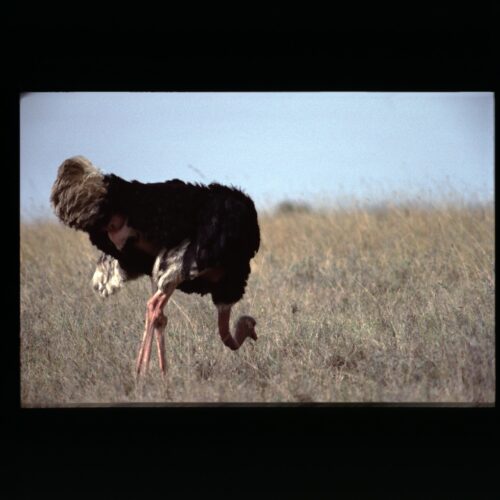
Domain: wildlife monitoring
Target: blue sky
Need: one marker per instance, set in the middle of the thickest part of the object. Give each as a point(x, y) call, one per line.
point(307, 146)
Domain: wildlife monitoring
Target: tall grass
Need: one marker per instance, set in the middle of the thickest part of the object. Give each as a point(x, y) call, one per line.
point(392, 303)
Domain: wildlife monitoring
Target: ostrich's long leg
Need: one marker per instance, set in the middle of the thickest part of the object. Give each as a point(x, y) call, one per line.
point(156, 322)
point(140, 357)
point(160, 322)
point(147, 347)
point(168, 271)
point(160, 344)
point(145, 350)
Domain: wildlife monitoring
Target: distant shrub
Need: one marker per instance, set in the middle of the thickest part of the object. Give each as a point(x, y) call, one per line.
point(288, 206)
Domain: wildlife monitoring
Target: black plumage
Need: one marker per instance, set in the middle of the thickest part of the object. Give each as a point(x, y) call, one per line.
point(220, 223)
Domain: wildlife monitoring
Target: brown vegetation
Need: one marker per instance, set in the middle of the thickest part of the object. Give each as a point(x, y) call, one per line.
point(394, 304)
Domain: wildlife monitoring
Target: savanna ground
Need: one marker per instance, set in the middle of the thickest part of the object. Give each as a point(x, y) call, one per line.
point(389, 304)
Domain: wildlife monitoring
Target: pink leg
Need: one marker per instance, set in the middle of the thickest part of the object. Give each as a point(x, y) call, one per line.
point(160, 322)
point(156, 322)
point(145, 339)
point(160, 344)
point(152, 314)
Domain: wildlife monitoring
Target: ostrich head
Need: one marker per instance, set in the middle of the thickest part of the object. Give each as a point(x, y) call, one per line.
point(79, 194)
point(245, 327)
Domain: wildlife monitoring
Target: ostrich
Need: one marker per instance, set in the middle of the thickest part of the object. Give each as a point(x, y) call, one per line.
point(191, 237)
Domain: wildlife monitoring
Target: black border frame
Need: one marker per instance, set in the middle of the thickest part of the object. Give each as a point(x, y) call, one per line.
point(439, 49)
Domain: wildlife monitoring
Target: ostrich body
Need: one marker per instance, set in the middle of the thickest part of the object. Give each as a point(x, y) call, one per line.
point(191, 237)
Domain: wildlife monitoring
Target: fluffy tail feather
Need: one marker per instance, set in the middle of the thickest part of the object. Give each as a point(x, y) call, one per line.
point(108, 277)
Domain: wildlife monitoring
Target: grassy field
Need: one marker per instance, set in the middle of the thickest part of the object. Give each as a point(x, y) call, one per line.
point(390, 304)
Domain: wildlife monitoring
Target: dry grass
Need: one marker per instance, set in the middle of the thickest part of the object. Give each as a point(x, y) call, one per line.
point(394, 304)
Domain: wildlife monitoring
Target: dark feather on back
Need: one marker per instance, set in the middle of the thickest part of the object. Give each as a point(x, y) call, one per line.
point(221, 223)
